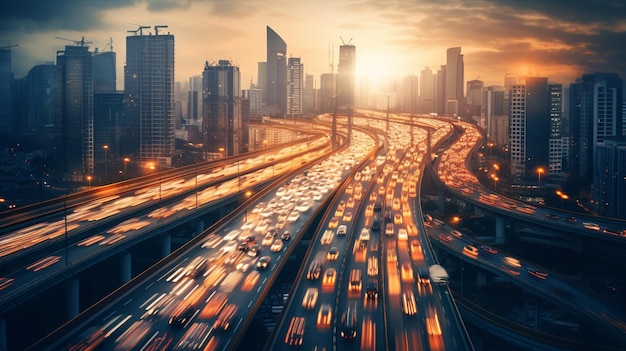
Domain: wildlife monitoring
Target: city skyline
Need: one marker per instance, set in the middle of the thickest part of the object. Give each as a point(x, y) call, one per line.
point(556, 39)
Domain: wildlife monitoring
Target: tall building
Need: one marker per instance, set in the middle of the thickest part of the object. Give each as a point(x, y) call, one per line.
point(221, 109)
point(276, 68)
point(595, 113)
point(108, 115)
point(75, 130)
point(310, 101)
point(558, 148)
point(6, 95)
point(440, 90)
point(295, 87)
point(427, 91)
point(609, 186)
point(474, 101)
point(194, 101)
point(409, 94)
point(104, 72)
point(327, 91)
point(494, 107)
point(149, 88)
point(455, 78)
point(42, 100)
point(346, 77)
point(529, 127)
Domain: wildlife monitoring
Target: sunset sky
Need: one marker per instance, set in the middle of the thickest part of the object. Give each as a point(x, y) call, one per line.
point(560, 39)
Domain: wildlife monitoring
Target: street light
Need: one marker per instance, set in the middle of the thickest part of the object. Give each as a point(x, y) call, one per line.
point(221, 150)
point(248, 193)
point(495, 182)
point(126, 160)
point(106, 160)
point(89, 180)
point(540, 171)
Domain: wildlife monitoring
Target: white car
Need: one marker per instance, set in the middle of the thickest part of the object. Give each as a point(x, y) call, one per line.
point(277, 245)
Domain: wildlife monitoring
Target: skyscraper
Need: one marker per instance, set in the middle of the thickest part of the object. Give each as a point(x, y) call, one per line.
point(295, 87)
point(494, 113)
point(75, 131)
point(104, 73)
point(221, 108)
point(455, 77)
point(595, 113)
point(6, 95)
point(558, 146)
point(42, 96)
point(276, 68)
point(609, 174)
point(427, 91)
point(346, 77)
point(149, 86)
point(529, 127)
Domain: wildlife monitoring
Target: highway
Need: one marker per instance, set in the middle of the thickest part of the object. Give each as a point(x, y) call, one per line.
point(184, 307)
point(358, 287)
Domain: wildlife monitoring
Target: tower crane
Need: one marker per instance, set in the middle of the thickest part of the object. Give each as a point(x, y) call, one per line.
point(156, 29)
point(8, 47)
point(80, 42)
point(140, 30)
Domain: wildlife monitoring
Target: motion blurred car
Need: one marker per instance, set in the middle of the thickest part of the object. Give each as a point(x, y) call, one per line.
point(263, 262)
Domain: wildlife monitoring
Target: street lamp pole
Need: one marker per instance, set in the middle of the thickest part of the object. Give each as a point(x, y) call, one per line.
point(89, 180)
point(106, 161)
point(126, 160)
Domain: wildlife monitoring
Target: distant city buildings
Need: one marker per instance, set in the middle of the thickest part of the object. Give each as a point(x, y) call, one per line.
point(454, 82)
point(346, 78)
point(221, 114)
point(276, 78)
point(149, 88)
point(295, 87)
point(75, 131)
point(6, 93)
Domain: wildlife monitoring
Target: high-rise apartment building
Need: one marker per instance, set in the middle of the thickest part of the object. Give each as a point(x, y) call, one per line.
point(455, 78)
point(276, 78)
point(609, 186)
point(346, 74)
point(295, 87)
point(6, 94)
point(42, 101)
point(474, 101)
point(427, 91)
point(149, 87)
point(595, 113)
point(221, 109)
point(440, 90)
point(310, 96)
point(326, 93)
point(558, 146)
point(529, 127)
point(494, 114)
point(104, 73)
point(75, 131)
point(194, 101)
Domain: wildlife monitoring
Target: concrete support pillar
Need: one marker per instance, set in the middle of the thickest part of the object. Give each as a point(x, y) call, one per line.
point(166, 245)
point(441, 203)
point(72, 296)
point(4, 345)
point(199, 227)
point(481, 279)
point(500, 230)
point(125, 267)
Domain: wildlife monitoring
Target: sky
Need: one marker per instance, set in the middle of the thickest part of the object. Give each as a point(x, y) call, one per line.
point(558, 39)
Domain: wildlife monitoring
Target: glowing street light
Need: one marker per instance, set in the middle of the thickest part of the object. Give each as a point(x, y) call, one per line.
point(126, 160)
point(106, 160)
point(89, 180)
point(221, 150)
point(495, 181)
point(540, 171)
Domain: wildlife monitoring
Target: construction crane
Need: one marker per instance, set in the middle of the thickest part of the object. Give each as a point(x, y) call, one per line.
point(140, 30)
point(80, 42)
point(8, 47)
point(156, 29)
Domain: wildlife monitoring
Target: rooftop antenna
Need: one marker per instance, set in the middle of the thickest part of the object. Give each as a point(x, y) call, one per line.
point(344, 43)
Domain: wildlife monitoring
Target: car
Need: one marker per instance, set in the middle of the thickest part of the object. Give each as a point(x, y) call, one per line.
point(182, 315)
point(334, 222)
point(225, 317)
point(537, 273)
point(347, 217)
point(330, 275)
point(254, 251)
point(349, 323)
point(456, 233)
point(324, 316)
point(341, 230)
point(570, 219)
point(511, 261)
point(295, 332)
point(286, 236)
point(277, 245)
point(591, 226)
point(551, 216)
point(470, 250)
point(409, 307)
point(333, 253)
point(415, 246)
point(310, 298)
point(488, 249)
point(263, 262)
point(406, 272)
point(445, 237)
point(397, 218)
point(372, 266)
point(403, 234)
point(267, 240)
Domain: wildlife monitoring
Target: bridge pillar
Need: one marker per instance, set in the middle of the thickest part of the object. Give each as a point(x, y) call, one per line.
point(3, 334)
point(199, 227)
point(441, 203)
point(500, 230)
point(166, 245)
point(481, 279)
point(125, 267)
point(72, 297)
